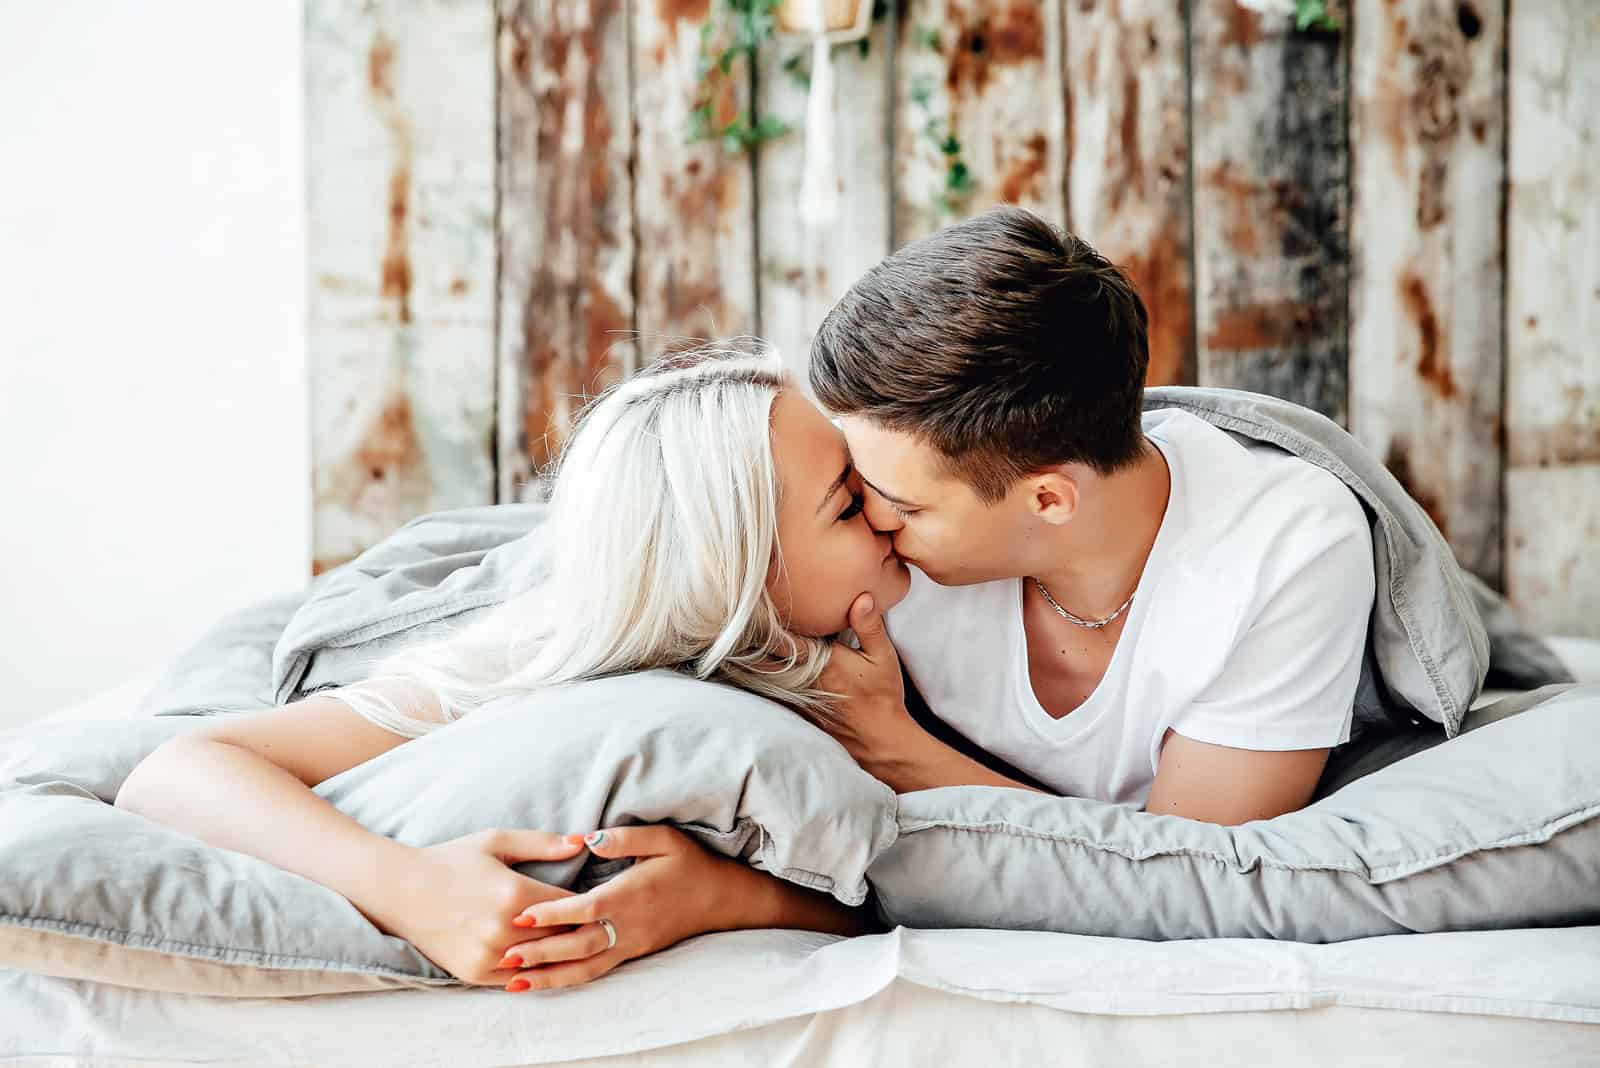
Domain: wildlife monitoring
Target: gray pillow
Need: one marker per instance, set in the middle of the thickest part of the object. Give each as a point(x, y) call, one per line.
point(92, 891)
point(1497, 827)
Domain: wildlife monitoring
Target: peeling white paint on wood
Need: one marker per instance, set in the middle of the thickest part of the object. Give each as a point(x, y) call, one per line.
point(1427, 149)
point(565, 224)
point(987, 72)
point(401, 262)
point(1552, 410)
point(1270, 240)
point(1127, 173)
point(694, 203)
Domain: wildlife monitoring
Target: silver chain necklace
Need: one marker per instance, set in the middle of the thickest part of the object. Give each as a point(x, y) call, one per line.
point(1092, 624)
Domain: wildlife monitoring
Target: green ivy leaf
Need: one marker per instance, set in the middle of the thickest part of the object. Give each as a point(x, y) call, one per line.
point(1314, 14)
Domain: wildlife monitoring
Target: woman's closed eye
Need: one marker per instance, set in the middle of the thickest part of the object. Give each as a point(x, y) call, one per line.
point(854, 508)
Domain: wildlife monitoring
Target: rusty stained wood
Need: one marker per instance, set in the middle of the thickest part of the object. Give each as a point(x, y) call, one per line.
point(1127, 171)
point(565, 224)
point(805, 269)
point(401, 260)
point(694, 204)
point(1270, 226)
point(993, 79)
point(1427, 144)
point(1553, 317)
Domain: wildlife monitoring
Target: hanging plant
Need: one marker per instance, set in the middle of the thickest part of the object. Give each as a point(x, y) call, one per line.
point(738, 30)
point(735, 30)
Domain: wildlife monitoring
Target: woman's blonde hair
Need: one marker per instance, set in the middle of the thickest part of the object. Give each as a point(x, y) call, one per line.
point(662, 527)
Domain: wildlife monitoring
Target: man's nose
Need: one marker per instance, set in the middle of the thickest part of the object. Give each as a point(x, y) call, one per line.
point(880, 516)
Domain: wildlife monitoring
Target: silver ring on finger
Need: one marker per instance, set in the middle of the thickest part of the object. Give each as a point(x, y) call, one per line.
point(611, 933)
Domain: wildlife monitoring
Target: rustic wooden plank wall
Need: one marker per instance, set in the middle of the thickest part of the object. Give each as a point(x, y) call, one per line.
point(1428, 162)
point(987, 73)
point(1127, 88)
point(1271, 241)
point(694, 205)
point(565, 225)
point(1385, 222)
point(1553, 316)
point(804, 270)
point(400, 150)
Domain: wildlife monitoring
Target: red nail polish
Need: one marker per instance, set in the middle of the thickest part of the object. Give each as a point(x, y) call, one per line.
point(522, 921)
point(511, 960)
point(517, 985)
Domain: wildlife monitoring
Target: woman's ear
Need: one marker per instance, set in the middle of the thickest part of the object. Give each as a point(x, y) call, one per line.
point(1053, 495)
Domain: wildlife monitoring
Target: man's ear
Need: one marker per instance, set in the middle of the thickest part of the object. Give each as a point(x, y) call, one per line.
point(1053, 494)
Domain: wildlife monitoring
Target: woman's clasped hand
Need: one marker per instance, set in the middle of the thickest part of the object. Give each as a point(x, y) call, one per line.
point(469, 912)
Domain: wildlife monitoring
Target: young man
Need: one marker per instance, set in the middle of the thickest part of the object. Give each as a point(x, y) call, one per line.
point(1134, 607)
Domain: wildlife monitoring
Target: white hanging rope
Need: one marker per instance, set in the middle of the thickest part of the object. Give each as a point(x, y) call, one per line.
point(819, 186)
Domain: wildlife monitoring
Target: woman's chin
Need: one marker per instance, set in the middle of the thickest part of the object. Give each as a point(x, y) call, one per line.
point(896, 584)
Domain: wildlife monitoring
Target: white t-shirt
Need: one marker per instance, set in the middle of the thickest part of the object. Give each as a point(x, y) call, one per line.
point(1246, 629)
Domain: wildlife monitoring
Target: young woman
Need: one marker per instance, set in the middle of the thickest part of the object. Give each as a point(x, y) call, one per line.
point(705, 518)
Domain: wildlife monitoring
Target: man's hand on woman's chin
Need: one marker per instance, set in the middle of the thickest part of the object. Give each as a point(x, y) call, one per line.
point(870, 717)
point(872, 722)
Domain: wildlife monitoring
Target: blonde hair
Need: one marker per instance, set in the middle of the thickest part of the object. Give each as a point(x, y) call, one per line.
point(663, 525)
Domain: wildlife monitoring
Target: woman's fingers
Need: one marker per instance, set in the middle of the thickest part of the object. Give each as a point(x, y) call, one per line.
point(577, 944)
point(647, 840)
point(577, 909)
point(567, 973)
point(514, 845)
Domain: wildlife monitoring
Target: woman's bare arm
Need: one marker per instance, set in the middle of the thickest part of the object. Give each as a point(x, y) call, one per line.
point(243, 782)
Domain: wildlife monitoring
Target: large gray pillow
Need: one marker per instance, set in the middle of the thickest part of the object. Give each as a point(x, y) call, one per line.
point(92, 891)
point(1497, 827)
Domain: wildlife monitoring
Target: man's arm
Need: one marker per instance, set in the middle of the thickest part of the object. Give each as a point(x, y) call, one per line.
point(1220, 784)
point(1253, 744)
point(936, 764)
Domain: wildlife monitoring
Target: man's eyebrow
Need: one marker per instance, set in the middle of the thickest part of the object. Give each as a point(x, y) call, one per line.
point(834, 488)
point(889, 496)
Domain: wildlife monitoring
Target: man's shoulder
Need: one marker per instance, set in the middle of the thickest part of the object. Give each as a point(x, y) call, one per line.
point(1228, 477)
point(1258, 514)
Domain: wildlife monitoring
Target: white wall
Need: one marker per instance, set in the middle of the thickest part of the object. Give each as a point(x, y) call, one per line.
point(153, 437)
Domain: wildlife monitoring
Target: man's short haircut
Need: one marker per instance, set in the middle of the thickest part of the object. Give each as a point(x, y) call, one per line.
point(1002, 342)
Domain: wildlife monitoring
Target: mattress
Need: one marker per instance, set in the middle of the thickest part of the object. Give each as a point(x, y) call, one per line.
point(906, 997)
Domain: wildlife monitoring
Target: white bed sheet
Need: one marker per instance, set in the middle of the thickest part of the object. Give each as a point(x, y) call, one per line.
point(907, 997)
point(912, 997)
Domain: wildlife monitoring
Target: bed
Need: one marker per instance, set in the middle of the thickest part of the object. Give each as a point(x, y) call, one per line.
point(909, 996)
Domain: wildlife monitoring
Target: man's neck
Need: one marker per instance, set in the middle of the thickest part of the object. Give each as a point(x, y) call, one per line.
point(1095, 565)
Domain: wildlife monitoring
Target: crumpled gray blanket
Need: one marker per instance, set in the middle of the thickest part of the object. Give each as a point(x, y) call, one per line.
point(444, 569)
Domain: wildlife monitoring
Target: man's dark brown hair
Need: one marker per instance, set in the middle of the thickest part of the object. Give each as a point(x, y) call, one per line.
point(1004, 343)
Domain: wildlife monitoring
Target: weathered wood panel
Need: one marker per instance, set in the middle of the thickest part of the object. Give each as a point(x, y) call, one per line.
point(1427, 165)
point(806, 269)
point(1270, 219)
point(1553, 317)
point(565, 227)
point(401, 259)
point(988, 73)
point(694, 203)
point(1127, 171)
